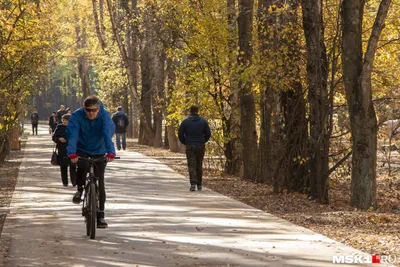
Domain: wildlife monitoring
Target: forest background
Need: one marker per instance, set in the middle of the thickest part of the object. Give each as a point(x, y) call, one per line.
point(297, 93)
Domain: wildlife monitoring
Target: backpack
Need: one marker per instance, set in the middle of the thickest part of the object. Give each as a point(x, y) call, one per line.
point(121, 122)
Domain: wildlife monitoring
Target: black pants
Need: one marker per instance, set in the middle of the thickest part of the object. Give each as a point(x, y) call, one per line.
point(99, 169)
point(72, 173)
point(195, 155)
point(34, 126)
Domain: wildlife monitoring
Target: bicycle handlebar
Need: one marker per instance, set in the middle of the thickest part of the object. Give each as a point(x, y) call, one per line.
point(95, 159)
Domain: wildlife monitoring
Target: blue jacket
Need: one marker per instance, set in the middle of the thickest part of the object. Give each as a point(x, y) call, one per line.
point(194, 130)
point(92, 137)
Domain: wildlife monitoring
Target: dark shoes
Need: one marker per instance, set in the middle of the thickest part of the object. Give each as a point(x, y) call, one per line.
point(78, 196)
point(101, 222)
point(193, 187)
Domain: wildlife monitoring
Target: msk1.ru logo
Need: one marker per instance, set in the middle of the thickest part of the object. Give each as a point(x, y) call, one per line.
point(357, 259)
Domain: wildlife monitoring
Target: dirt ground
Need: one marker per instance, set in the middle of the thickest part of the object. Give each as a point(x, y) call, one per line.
point(8, 179)
point(374, 232)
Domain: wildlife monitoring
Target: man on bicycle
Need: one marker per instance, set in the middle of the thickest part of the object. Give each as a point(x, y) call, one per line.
point(89, 133)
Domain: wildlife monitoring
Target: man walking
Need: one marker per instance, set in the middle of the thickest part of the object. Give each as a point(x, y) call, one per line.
point(34, 121)
point(60, 113)
point(194, 132)
point(121, 122)
point(53, 121)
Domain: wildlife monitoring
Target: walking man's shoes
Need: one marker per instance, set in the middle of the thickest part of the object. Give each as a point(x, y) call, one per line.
point(193, 187)
point(199, 187)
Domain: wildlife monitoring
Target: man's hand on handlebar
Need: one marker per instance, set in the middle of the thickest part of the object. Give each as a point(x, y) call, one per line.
point(73, 158)
point(110, 157)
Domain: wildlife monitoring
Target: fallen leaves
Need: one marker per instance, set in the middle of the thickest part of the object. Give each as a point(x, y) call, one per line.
point(375, 232)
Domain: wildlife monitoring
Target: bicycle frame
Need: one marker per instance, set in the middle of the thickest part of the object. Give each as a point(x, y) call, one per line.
point(90, 202)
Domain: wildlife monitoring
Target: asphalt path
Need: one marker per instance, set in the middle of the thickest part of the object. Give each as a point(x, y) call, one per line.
point(154, 220)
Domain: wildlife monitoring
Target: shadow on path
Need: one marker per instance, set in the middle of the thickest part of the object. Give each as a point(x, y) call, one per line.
point(153, 221)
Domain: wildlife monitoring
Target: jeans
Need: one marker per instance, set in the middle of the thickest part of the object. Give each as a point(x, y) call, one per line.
point(118, 136)
point(195, 155)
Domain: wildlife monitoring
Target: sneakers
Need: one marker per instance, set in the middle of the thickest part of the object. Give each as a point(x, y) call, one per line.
point(192, 187)
point(78, 196)
point(101, 222)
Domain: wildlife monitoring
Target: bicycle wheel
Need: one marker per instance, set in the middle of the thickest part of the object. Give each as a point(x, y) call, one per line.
point(86, 211)
point(93, 210)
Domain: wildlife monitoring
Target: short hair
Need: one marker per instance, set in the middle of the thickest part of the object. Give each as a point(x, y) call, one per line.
point(54, 111)
point(66, 117)
point(194, 109)
point(91, 100)
point(119, 108)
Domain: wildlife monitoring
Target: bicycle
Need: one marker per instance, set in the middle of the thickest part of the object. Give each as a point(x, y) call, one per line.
point(90, 203)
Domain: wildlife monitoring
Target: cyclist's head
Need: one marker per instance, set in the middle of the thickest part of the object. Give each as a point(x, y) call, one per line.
point(91, 106)
point(119, 108)
point(65, 119)
point(91, 100)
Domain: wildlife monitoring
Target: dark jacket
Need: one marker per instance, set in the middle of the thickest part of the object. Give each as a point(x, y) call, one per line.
point(35, 118)
point(61, 147)
point(90, 136)
point(60, 113)
point(121, 121)
point(53, 122)
point(194, 130)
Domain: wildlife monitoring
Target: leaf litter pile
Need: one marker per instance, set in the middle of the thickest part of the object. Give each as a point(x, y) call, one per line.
point(375, 232)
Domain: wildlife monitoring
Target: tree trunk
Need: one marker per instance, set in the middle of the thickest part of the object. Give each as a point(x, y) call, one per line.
point(132, 53)
point(146, 137)
point(159, 94)
point(266, 150)
point(98, 24)
point(171, 129)
point(317, 71)
point(357, 82)
point(233, 148)
point(247, 103)
point(83, 66)
point(130, 63)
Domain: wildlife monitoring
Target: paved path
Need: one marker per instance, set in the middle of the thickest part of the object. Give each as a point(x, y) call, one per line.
point(154, 221)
